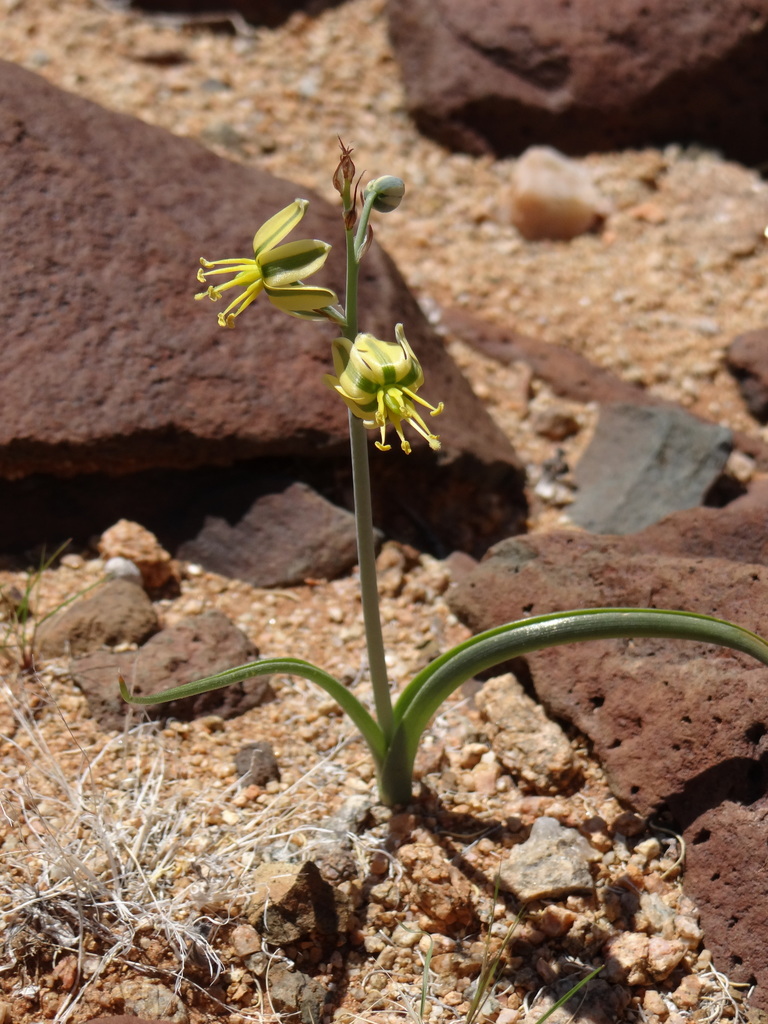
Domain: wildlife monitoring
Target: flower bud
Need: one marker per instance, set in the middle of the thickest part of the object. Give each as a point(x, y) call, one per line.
point(389, 192)
point(345, 171)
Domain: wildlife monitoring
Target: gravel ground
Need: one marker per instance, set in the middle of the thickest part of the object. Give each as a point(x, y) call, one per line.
point(678, 269)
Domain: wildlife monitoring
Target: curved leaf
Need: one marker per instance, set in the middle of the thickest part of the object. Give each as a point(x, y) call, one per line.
point(369, 729)
point(427, 691)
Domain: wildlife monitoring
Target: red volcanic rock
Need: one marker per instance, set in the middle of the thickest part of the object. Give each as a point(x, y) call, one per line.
point(583, 76)
point(747, 359)
point(103, 220)
point(678, 726)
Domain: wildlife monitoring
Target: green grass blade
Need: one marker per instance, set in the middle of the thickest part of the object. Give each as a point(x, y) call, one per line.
point(369, 729)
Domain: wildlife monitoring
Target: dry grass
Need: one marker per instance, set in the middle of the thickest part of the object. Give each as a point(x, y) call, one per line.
point(92, 866)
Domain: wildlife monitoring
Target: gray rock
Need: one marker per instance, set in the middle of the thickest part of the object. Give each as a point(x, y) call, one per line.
point(292, 903)
point(256, 764)
point(291, 993)
point(643, 463)
point(552, 863)
point(283, 539)
point(532, 747)
point(198, 646)
point(119, 568)
point(117, 612)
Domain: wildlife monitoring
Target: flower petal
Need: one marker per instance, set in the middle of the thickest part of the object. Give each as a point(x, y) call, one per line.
point(277, 227)
point(300, 297)
point(294, 260)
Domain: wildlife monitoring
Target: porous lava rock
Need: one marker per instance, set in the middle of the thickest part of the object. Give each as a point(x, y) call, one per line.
point(725, 873)
point(680, 727)
point(585, 76)
point(111, 215)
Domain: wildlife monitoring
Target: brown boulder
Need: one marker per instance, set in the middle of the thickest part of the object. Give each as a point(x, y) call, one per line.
point(726, 871)
point(116, 612)
point(679, 726)
point(283, 539)
point(586, 76)
point(194, 648)
point(747, 359)
point(131, 375)
point(629, 695)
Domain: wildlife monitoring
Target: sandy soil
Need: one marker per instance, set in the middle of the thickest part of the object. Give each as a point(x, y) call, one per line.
point(117, 847)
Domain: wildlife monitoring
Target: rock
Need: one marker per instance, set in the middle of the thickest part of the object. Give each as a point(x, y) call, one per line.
point(117, 612)
point(282, 540)
point(291, 992)
point(150, 1000)
point(702, 711)
point(131, 541)
point(553, 196)
point(567, 373)
point(626, 959)
point(292, 903)
point(643, 463)
point(441, 893)
point(332, 847)
point(552, 863)
point(530, 746)
point(498, 77)
point(123, 569)
point(148, 388)
point(198, 646)
point(737, 532)
point(256, 764)
point(630, 695)
point(726, 875)
point(747, 359)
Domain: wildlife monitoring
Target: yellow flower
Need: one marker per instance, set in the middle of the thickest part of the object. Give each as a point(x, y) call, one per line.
point(378, 381)
point(275, 269)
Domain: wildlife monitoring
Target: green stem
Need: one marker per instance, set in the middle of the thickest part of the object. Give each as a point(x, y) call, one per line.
point(369, 587)
point(366, 550)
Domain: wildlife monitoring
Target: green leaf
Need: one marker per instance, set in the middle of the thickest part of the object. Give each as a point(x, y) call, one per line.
point(369, 729)
point(429, 689)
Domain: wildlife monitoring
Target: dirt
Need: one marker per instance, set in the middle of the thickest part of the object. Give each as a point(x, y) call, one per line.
point(127, 857)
